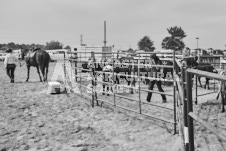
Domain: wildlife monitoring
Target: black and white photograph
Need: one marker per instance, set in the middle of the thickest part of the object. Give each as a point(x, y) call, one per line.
point(112, 75)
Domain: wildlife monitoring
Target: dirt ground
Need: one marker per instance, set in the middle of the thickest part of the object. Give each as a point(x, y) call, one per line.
point(31, 119)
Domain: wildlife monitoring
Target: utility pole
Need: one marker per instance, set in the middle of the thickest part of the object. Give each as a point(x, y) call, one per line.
point(105, 42)
point(81, 40)
point(197, 38)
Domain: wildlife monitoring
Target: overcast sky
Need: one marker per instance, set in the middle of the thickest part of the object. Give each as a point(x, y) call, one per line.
point(39, 21)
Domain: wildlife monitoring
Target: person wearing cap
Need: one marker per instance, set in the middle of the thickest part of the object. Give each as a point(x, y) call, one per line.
point(10, 64)
point(155, 61)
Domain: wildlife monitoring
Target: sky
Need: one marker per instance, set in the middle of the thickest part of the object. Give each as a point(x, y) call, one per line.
point(127, 21)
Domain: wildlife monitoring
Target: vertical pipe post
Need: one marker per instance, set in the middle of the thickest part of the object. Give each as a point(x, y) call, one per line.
point(174, 90)
point(196, 90)
point(139, 80)
point(105, 42)
point(76, 65)
point(64, 73)
point(114, 78)
point(186, 140)
point(190, 109)
point(80, 74)
point(93, 76)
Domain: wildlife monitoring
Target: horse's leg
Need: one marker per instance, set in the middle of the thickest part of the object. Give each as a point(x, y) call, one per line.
point(47, 70)
point(39, 74)
point(43, 73)
point(28, 72)
point(207, 83)
point(103, 84)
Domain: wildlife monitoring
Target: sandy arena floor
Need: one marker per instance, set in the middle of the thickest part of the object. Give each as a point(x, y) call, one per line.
point(32, 120)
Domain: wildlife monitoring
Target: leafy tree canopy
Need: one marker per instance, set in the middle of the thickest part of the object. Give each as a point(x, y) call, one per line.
point(67, 47)
point(175, 40)
point(53, 45)
point(146, 44)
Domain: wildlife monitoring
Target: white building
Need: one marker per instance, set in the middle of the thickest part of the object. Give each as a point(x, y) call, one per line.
point(84, 52)
point(58, 54)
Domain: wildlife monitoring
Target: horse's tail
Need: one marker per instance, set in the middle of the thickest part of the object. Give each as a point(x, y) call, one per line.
point(43, 59)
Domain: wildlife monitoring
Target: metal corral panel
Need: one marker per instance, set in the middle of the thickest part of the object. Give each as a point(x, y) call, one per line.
point(85, 52)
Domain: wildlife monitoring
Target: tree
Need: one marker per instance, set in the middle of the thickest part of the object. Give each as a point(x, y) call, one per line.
point(67, 47)
point(146, 44)
point(175, 40)
point(53, 45)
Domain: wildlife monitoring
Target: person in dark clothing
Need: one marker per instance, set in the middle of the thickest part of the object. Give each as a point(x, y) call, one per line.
point(155, 61)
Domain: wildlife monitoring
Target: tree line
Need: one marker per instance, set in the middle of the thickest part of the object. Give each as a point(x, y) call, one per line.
point(48, 46)
point(174, 41)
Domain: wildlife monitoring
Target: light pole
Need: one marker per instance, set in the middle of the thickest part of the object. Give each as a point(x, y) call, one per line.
point(197, 38)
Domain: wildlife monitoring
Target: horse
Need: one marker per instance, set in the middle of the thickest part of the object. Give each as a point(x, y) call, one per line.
point(40, 59)
point(193, 63)
point(205, 67)
point(121, 70)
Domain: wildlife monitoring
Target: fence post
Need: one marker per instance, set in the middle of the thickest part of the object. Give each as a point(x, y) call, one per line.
point(174, 98)
point(64, 73)
point(76, 65)
point(93, 78)
point(196, 90)
point(190, 109)
point(139, 80)
point(114, 87)
point(186, 140)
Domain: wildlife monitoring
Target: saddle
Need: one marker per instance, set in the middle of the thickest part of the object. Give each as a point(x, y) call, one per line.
point(30, 57)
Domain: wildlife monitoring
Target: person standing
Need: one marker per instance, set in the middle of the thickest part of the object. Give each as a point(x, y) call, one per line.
point(10, 64)
point(155, 61)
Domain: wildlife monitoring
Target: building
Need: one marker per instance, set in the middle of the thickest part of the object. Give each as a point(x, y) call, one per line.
point(58, 54)
point(84, 52)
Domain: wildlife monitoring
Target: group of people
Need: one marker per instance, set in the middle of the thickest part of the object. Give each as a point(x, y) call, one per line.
point(154, 59)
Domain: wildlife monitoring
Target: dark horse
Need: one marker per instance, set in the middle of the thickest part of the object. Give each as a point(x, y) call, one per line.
point(40, 60)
